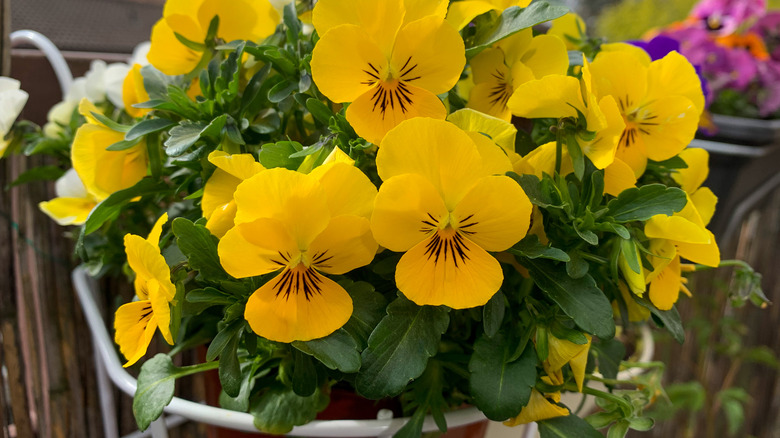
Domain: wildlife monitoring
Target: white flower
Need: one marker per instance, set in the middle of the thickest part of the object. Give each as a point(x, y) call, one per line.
point(59, 114)
point(69, 185)
point(12, 100)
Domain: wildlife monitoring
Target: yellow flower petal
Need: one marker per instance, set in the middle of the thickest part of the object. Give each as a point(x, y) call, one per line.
point(221, 219)
point(543, 54)
point(494, 159)
point(149, 265)
point(495, 214)
point(68, 211)
point(562, 352)
point(256, 248)
point(538, 408)
point(240, 19)
point(168, 54)
point(346, 244)
point(336, 179)
point(384, 107)
point(636, 312)
point(636, 51)
point(437, 150)
point(299, 304)
point(448, 269)
point(407, 207)
point(567, 28)
point(667, 125)
point(674, 75)
point(706, 254)
point(665, 287)
point(162, 311)
point(704, 201)
point(241, 166)
point(602, 149)
point(105, 172)
point(134, 326)
point(133, 92)
point(500, 131)
point(416, 9)
point(154, 235)
point(676, 228)
point(552, 96)
point(295, 199)
point(380, 19)
point(461, 13)
point(691, 178)
point(635, 280)
point(618, 176)
point(347, 63)
point(218, 192)
point(662, 252)
point(622, 75)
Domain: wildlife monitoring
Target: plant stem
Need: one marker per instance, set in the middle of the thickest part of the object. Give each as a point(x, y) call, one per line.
point(559, 147)
point(609, 381)
point(198, 368)
point(625, 405)
point(724, 264)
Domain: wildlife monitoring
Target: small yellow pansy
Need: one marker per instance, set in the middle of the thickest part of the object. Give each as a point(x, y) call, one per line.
point(499, 70)
point(495, 138)
point(682, 235)
point(562, 352)
point(389, 69)
point(440, 204)
point(73, 202)
point(461, 13)
point(301, 226)
point(540, 407)
point(660, 103)
point(559, 96)
point(218, 205)
point(136, 322)
point(238, 20)
point(133, 92)
point(105, 172)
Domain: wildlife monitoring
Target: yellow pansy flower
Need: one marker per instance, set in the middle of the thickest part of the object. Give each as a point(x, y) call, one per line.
point(105, 172)
point(300, 225)
point(495, 138)
point(540, 407)
point(618, 176)
point(73, 202)
point(217, 203)
point(390, 69)
point(559, 96)
point(562, 352)
point(136, 322)
point(133, 92)
point(682, 235)
point(441, 205)
point(461, 13)
point(660, 103)
point(238, 20)
point(499, 70)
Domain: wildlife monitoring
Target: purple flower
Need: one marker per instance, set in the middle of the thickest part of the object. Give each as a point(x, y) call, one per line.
point(726, 16)
point(769, 81)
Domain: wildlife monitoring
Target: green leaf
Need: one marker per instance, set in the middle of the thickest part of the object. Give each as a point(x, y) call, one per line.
point(319, 110)
point(567, 427)
point(156, 383)
point(183, 136)
point(200, 247)
point(618, 430)
point(493, 313)
point(123, 145)
point(223, 339)
point(239, 403)
point(110, 124)
point(579, 298)
point(368, 308)
point(111, 206)
point(281, 91)
point(515, 19)
point(229, 367)
point(532, 187)
point(413, 427)
point(577, 157)
point(337, 351)
point(304, 378)
point(640, 204)
point(177, 305)
point(642, 424)
point(208, 295)
point(631, 255)
point(399, 348)
point(501, 388)
point(278, 155)
point(577, 267)
point(41, 173)
point(669, 319)
point(279, 409)
point(609, 354)
point(531, 248)
point(148, 126)
point(155, 83)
